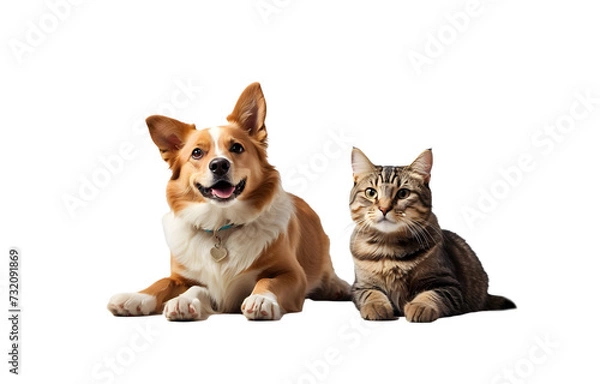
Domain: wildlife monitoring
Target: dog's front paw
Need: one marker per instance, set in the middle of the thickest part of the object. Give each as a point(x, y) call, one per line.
point(183, 308)
point(132, 304)
point(261, 307)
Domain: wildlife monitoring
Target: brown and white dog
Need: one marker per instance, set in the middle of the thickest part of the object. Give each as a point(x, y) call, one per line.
point(238, 241)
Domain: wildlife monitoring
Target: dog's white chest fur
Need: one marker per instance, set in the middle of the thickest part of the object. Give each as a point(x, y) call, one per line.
point(228, 280)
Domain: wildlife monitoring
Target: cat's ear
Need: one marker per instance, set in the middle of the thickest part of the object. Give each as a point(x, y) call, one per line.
point(422, 165)
point(361, 164)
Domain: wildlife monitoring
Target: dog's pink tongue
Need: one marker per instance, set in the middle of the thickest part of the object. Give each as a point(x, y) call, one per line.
point(223, 193)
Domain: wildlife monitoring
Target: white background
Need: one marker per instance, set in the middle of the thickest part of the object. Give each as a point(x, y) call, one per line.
point(335, 74)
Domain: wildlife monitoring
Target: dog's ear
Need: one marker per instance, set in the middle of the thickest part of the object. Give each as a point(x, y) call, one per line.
point(169, 135)
point(250, 112)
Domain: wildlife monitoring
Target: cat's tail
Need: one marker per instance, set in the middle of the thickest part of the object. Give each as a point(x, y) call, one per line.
point(495, 303)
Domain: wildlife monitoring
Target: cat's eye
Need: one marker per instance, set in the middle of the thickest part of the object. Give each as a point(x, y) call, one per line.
point(197, 154)
point(403, 193)
point(370, 193)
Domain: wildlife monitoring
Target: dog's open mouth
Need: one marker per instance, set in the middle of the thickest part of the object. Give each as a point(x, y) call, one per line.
point(222, 190)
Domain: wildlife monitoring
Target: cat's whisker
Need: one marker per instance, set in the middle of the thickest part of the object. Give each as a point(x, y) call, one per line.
point(421, 233)
point(432, 236)
point(349, 226)
point(415, 232)
point(362, 226)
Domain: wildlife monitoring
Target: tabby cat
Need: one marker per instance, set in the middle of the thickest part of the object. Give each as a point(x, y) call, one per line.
point(405, 264)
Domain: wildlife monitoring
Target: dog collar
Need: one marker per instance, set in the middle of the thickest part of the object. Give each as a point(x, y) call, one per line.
point(218, 251)
point(223, 228)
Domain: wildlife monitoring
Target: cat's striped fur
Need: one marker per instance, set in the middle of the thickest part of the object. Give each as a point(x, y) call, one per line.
point(405, 264)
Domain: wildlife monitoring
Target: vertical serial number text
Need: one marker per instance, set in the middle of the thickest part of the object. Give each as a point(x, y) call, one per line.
point(14, 310)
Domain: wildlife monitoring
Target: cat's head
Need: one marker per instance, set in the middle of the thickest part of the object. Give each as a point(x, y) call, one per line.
point(391, 199)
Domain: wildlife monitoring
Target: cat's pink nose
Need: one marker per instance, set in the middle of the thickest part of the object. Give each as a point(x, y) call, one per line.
point(384, 210)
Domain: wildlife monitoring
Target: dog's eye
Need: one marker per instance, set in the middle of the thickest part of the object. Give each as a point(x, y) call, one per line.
point(197, 154)
point(236, 148)
point(403, 193)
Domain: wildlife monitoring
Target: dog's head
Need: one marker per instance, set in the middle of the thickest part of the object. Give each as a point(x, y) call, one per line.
point(219, 167)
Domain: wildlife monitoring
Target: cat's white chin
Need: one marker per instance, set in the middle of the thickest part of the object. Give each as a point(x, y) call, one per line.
point(387, 226)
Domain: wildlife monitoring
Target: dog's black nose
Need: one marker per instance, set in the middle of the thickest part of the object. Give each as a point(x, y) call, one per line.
point(219, 166)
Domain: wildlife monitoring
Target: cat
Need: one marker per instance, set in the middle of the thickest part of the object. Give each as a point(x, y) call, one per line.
point(405, 264)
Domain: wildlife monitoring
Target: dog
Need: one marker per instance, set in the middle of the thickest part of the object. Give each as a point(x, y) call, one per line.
point(238, 241)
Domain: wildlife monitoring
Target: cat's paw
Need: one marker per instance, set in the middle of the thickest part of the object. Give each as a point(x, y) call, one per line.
point(377, 310)
point(183, 308)
point(261, 307)
point(132, 304)
point(421, 312)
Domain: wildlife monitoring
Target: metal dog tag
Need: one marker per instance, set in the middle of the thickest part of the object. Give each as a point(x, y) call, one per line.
point(218, 252)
